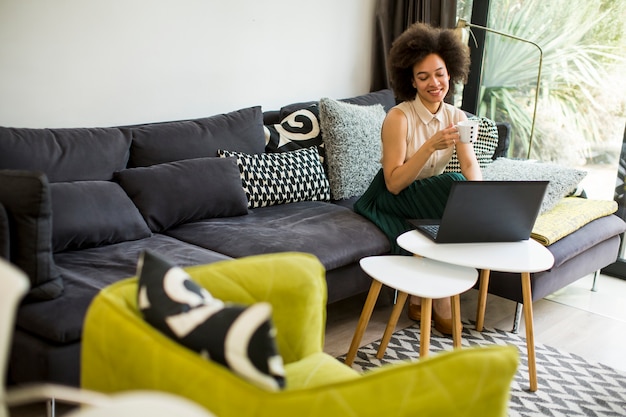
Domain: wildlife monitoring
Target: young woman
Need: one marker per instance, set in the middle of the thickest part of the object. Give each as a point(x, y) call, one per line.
point(418, 139)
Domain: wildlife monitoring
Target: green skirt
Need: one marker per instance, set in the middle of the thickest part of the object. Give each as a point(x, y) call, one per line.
point(423, 199)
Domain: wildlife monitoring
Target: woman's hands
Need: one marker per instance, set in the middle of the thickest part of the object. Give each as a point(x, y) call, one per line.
point(444, 138)
point(399, 173)
point(465, 151)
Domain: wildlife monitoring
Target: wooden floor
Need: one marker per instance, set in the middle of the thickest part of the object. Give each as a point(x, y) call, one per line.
point(575, 319)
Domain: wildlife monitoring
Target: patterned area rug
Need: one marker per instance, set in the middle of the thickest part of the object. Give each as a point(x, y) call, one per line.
point(568, 385)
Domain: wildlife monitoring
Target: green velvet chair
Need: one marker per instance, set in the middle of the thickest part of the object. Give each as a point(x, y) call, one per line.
point(122, 352)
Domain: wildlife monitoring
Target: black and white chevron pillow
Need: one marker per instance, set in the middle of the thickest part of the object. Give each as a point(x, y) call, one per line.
point(236, 336)
point(279, 178)
point(484, 147)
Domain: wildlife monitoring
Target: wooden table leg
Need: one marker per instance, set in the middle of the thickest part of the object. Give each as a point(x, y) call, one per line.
point(391, 324)
point(427, 308)
point(455, 301)
point(530, 334)
point(366, 314)
point(482, 299)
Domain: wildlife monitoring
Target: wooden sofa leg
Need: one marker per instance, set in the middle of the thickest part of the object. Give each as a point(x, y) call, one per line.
point(517, 318)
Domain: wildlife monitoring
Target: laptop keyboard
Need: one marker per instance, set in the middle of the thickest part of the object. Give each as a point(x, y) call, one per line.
point(431, 229)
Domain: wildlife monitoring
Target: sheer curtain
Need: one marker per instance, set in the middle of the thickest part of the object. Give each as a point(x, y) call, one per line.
point(393, 17)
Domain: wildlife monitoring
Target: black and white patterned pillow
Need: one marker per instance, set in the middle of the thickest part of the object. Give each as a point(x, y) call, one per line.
point(238, 337)
point(297, 130)
point(279, 178)
point(484, 146)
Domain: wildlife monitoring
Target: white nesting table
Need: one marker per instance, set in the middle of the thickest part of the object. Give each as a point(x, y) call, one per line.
point(427, 278)
point(522, 257)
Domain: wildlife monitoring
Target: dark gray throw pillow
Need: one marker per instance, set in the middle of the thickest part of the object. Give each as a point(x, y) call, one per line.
point(93, 213)
point(241, 338)
point(26, 198)
point(79, 154)
point(383, 97)
point(183, 191)
point(156, 143)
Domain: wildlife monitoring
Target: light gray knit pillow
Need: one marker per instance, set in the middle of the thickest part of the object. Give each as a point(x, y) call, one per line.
point(563, 180)
point(351, 136)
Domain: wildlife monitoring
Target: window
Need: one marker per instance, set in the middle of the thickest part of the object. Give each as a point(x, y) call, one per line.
point(581, 110)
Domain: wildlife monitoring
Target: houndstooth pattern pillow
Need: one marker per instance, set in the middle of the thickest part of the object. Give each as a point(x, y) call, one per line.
point(279, 178)
point(484, 147)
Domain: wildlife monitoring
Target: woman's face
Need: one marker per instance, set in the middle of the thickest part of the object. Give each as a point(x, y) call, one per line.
point(432, 81)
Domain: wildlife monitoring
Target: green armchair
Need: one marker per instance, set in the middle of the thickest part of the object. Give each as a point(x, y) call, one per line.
point(122, 352)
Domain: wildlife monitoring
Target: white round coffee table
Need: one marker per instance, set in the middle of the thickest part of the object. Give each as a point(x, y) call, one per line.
point(523, 257)
point(423, 277)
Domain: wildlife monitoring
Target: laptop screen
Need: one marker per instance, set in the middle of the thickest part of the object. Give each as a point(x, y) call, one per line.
point(490, 211)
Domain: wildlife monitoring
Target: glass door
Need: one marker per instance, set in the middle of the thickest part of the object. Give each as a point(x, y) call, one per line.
point(582, 97)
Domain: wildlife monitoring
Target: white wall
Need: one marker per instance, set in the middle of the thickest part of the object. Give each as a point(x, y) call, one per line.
point(73, 63)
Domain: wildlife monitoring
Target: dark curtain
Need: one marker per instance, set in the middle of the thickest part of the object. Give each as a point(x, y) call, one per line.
point(393, 17)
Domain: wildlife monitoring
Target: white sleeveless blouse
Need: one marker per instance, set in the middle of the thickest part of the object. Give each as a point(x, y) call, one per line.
point(422, 125)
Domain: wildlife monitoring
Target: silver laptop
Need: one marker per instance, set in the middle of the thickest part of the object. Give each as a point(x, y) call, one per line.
point(486, 211)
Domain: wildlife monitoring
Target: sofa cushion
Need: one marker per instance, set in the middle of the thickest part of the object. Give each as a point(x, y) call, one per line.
point(4, 233)
point(183, 191)
point(484, 147)
point(353, 146)
point(93, 213)
point(156, 143)
point(592, 234)
point(26, 198)
point(335, 235)
point(279, 178)
point(239, 337)
point(65, 154)
point(504, 140)
point(87, 271)
point(563, 180)
point(383, 97)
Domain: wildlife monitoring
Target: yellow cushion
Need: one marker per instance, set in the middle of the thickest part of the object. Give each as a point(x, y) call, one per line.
point(569, 215)
point(318, 369)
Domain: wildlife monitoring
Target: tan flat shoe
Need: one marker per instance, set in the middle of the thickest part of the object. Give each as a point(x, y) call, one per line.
point(443, 325)
point(415, 312)
point(443, 319)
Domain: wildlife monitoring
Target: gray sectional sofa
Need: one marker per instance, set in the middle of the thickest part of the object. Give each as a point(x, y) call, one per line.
point(78, 206)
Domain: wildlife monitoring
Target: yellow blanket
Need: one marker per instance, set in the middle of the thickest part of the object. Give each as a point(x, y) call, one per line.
point(569, 215)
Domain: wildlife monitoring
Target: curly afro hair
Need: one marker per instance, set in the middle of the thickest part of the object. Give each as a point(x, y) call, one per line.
point(417, 42)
